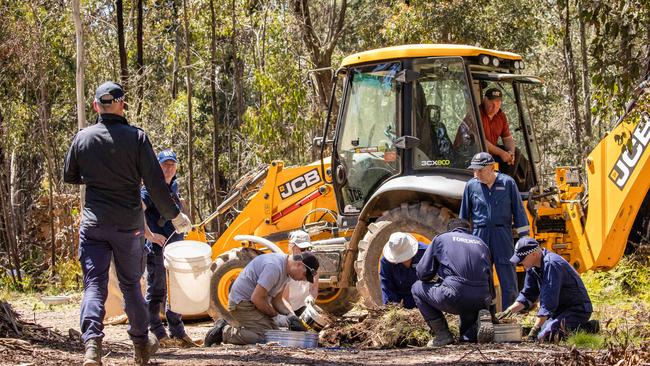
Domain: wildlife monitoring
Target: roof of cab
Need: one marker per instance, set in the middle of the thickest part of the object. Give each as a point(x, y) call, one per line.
point(423, 50)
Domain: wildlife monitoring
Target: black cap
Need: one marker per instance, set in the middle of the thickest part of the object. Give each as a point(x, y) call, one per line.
point(310, 262)
point(109, 92)
point(524, 246)
point(493, 93)
point(481, 160)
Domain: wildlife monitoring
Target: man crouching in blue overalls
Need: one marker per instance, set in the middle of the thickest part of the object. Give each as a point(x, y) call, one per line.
point(397, 274)
point(456, 277)
point(564, 304)
point(158, 232)
point(491, 201)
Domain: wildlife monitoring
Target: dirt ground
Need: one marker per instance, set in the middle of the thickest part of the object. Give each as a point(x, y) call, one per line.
point(117, 348)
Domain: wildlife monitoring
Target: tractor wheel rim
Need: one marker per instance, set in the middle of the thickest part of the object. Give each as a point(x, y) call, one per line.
point(224, 285)
point(330, 298)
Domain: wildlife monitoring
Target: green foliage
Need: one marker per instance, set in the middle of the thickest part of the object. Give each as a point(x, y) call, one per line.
point(586, 340)
point(628, 281)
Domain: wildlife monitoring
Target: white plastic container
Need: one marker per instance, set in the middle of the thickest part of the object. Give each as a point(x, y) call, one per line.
point(188, 276)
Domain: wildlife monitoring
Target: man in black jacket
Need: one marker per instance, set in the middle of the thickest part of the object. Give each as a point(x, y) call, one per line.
point(112, 158)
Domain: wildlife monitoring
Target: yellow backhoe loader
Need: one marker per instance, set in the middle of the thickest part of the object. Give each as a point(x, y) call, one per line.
point(407, 126)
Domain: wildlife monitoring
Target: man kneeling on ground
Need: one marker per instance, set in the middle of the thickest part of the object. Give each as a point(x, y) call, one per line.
point(564, 304)
point(256, 301)
point(456, 277)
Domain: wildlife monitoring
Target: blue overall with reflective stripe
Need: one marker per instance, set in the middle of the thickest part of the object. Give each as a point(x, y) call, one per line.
point(492, 212)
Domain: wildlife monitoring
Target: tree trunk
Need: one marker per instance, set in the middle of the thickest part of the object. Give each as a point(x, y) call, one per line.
point(124, 69)
point(140, 62)
point(586, 83)
point(216, 182)
point(320, 48)
point(237, 68)
point(79, 81)
point(190, 132)
point(564, 10)
point(177, 46)
point(8, 216)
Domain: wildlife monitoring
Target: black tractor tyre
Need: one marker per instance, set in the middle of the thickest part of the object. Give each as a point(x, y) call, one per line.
point(344, 301)
point(421, 218)
point(226, 268)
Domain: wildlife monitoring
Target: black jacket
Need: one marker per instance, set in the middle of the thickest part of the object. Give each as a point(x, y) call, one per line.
point(112, 158)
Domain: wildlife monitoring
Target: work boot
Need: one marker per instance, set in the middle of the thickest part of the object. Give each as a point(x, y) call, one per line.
point(485, 328)
point(440, 331)
point(215, 335)
point(592, 326)
point(93, 355)
point(142, 351)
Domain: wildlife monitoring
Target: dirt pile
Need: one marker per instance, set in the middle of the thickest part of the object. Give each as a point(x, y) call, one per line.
point(393, 327)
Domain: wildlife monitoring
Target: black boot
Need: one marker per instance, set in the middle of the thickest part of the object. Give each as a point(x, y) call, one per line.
point(440, 331)
point(592, 326)
point(485, 328)
point(142, 351)
point(215, 335)
point(93, 355)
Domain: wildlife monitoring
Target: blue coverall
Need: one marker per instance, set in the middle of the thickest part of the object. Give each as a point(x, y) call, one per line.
point(396, 280)
point(156, 273)
point(562, 295)
point(112, 159)
point(455, 276)
point(491, 211)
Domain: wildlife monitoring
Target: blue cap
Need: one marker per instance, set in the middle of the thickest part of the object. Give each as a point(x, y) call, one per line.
point(109, 92)
point(166, 155)
point(481, 160)
point(524, 246)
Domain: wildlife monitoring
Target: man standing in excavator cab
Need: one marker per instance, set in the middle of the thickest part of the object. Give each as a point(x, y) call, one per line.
point(495, 125)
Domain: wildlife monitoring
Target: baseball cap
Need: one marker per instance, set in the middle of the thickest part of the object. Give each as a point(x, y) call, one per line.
point(300, 239)
point(481, 160)
point(310, 262)
point(524, 246)
point(165, 155)
point(493, 93)
point(109, 92)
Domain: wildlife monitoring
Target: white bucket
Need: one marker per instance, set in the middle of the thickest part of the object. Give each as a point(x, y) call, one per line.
point(188, 276)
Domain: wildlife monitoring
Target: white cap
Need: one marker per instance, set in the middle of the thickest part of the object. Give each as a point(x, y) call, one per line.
point(400, 247)
point(300, 239)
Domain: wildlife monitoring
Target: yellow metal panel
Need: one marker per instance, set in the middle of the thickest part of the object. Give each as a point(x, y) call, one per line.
point(423, 50)
point(617, 173)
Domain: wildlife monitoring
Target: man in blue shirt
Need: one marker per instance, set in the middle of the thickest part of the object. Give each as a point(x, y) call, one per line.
point(159, 232)
point(397, 269)
point(564, 304)
point(455, 276)
point(491, 201)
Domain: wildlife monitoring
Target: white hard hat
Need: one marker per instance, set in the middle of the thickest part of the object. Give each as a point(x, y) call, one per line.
point(300, 239)
point(400, 247)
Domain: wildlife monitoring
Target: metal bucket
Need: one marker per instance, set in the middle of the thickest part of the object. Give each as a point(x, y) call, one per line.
point(505, 332)
point(290, 338)
point(315, 318)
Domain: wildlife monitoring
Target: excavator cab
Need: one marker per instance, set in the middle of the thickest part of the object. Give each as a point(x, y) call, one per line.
point(408, 126)
point(415, 116)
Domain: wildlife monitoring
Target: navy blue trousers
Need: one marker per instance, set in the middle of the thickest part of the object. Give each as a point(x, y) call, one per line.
point(564, 322)
point(157, 295)
point(434, 298)
point(96, 247)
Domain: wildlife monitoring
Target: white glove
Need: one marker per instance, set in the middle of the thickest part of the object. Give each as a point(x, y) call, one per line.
point(281, 320)
point(310, 300)
point(182, 223)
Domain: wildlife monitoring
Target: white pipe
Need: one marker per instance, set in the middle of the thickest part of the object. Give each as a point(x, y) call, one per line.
point(259, 240)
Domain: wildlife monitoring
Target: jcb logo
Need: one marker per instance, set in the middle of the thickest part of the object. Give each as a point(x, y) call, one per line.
point(299, 183)
point(629, 158)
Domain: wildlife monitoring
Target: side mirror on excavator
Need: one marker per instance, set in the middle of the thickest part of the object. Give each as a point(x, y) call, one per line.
point(406, 142)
